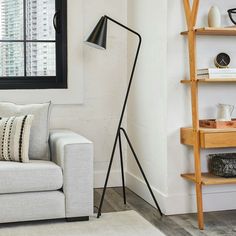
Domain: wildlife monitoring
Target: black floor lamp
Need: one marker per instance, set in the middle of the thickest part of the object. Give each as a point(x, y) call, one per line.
point(98, 39)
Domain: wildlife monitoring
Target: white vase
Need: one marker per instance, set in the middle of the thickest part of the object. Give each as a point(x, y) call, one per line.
point(214, 17)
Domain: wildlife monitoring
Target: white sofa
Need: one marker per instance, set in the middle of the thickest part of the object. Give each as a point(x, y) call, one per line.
point(50, 189)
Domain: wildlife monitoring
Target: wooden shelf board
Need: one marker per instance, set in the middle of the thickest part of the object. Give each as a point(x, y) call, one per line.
point(226, 80)
point(209, 179)
point(212, 130)
point(227, 31)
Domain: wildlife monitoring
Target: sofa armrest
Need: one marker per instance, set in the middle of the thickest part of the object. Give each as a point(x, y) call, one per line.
point(74, 154)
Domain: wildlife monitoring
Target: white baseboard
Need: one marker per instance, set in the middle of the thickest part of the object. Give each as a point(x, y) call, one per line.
point(139, 186)
point(114, 179)
point(180, 204)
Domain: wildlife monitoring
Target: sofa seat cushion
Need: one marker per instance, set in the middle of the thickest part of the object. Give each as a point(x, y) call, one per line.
point(36, 175)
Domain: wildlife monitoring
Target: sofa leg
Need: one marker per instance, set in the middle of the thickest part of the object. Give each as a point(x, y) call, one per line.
point(73, 219)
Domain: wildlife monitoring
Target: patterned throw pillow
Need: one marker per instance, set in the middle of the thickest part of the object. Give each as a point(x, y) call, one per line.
point(14, 138)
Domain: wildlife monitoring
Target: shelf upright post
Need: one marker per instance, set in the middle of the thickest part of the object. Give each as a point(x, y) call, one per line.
point(191, 16)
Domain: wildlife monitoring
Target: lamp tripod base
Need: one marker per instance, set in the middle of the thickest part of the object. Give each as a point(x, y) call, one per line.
point(118, 139)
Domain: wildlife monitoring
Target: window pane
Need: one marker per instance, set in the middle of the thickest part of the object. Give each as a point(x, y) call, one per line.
point(40, 59)
point(11, 59)
point(39, 19)
point(11, 18)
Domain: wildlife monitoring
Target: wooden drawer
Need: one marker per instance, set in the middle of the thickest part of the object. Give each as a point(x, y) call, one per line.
point(218, 140)
point(210, 138)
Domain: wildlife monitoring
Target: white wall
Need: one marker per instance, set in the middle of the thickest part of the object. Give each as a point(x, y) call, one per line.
point(104, 83)
point(148, 101)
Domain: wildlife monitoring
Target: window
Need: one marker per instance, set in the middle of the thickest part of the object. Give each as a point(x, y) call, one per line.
point(33, 44)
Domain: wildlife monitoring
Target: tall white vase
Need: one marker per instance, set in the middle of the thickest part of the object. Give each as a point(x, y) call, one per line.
point(214, 17)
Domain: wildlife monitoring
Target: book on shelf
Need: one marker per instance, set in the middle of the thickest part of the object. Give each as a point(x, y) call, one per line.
point(218, 71)
point(217, 76)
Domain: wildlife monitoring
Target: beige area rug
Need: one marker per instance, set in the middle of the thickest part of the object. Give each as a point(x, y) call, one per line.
point(126, 223)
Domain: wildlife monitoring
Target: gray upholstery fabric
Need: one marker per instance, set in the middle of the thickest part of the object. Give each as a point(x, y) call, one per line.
point(37, 175)
point(74, 154)
point(39, 148)
point(31, 206)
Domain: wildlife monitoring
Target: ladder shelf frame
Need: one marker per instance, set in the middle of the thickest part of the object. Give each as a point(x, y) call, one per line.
point(191, 18)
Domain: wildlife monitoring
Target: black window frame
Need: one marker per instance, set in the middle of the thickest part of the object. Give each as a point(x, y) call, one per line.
point(45, 82)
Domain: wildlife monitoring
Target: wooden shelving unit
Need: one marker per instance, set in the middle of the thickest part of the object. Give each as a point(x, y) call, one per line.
point(195, 136)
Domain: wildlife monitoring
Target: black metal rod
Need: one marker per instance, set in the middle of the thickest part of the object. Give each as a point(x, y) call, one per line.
point(25, 36)
point(107, 177)
point(132, 72)
point(122, 112)
point(122, 168)
point(141, 169)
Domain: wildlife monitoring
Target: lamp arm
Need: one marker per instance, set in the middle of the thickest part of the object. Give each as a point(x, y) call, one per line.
point(133, 69)
point(123, 26)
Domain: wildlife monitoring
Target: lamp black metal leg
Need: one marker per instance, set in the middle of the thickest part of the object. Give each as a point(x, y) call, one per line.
point(108, 173)
point(122, 168)
point(140, 167)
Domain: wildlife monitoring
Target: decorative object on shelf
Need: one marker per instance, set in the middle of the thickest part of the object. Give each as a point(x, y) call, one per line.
point(223, 164)
point(97, 39)
point(222, 60)
point(215, 124)
point(232, 14)
point(224, 112)
point(214, 17)
point(216, 73)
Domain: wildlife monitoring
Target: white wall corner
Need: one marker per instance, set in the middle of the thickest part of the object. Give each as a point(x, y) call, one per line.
point(182, 203)
point(139, 186)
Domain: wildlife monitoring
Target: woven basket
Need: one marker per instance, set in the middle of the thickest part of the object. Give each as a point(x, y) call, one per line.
point(223, 164)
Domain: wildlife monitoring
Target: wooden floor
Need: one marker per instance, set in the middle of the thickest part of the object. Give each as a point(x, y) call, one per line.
point(216, 223)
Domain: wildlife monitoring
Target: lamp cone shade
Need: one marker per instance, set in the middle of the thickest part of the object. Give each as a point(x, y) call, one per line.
point(98, 37)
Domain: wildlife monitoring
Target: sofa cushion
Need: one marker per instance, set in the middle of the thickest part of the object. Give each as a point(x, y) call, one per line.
point(36, 175)
point(39, 134)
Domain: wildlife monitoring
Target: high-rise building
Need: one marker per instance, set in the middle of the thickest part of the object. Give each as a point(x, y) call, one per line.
point(40, 56)
point(11, 54)
point(39, 26)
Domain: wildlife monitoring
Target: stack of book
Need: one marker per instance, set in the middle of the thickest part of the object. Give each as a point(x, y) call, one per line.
point(216, 73)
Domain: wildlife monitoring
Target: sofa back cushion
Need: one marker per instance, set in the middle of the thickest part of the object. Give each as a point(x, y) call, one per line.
point(39, 133)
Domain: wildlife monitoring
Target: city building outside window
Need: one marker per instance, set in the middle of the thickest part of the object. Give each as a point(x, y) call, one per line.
point(33, 44)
